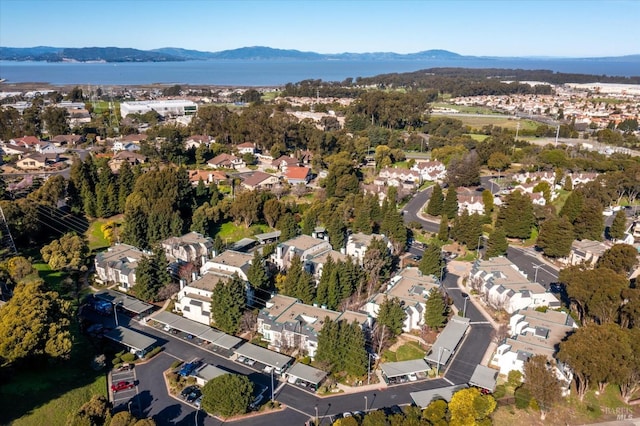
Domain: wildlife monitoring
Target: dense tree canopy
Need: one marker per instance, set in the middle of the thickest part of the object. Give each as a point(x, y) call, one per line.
point(227, 395)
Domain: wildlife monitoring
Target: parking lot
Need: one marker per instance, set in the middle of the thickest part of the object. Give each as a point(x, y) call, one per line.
point(124, 389)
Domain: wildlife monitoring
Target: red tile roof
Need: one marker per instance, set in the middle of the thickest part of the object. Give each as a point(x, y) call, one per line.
point(297, 172)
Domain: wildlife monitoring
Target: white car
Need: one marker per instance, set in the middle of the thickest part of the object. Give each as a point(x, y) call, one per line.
point(413, 377)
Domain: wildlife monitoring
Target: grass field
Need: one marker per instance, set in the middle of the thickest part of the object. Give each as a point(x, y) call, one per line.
point(229, 232)
point(503, 121)
point(476, 136)
point(95, 236)
point(410, 350)
point(465, 109)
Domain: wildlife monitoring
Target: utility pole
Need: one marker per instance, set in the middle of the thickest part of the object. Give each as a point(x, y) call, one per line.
point(557, 134)
point(536, 267)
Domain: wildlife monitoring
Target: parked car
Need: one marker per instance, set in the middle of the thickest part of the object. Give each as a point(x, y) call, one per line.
point(413, 377)
point(122, 385)
point(198, 402)
point(197, 393)
point(189, 368)
point(186, 391)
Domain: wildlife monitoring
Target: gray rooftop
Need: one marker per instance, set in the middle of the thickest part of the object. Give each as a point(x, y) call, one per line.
point(307, 373)
point(210, 372)
point(402, 368)
point(268, 235)
point(484, 377)
point(264, 356)
point(448, 340)
point(129, 303)
point(130, 338)
point(197, 329)
point(424, 398)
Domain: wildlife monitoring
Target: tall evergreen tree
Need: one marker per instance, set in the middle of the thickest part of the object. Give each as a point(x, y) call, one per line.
point(392, 315)
point(556, 237)
point(497, 244)
point(619, 225)
point(257, 275)
point(126, 181)
point(435, 313)
point(227, 304)
point(516, 216)
point(589, 225)
point(443, 230)
point(450, 207)
point(487, 199)
point(572, 206)
point(432, 261)
point(336, 230)
point(356, 357)
point(322, 291)
point(436, 202)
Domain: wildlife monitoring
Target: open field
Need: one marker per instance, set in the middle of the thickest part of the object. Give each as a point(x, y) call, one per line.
point(503, 121)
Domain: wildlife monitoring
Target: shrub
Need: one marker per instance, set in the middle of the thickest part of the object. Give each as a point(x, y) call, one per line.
point(514, 378)
point(175, 364)
point(305, 360)
point(523, 397)
point(116, 361)
point(155, 351)
point(128, 357)
point(501, 390)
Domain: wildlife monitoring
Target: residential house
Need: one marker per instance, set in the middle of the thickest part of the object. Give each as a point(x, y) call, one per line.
point(471, 203)
point(536, 177)
point(582, 178)
point(67, 140)
point(315, 264)
point(226, 161)
point(10, 149)
point(36, 161)
point(121, 157)
point(29, 142)
point(207, 176)
point(195, 141)
point(260, 180)
point(396, 182)
point(190, 248)
point(49, 148)
point(194, 298)
point(286, 323)
point(305, 157)
point(118, 265)
point(246, 148)
point(586, 251)
point(430, 170)
point(503, 286)
point(533, 332)
point(125, 146)
point(412, 288)
point(358, 243)
point(283, 162)
point(295, 175)
point(303, 246)
point(403, 175)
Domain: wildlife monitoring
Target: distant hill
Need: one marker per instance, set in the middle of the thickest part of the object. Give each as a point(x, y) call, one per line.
point(254, 53)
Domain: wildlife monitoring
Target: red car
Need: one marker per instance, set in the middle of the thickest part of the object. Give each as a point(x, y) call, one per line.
point(121, 386)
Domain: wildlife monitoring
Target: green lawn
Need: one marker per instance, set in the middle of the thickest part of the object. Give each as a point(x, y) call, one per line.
point(476, 136)
point(52, 278)
point(410, 350)
point(229, 232)
point(95, 236)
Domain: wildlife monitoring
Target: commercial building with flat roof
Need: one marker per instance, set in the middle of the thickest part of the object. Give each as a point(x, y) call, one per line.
point(164, 108)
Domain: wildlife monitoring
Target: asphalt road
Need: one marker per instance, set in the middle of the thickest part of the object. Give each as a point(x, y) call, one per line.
point(528, 263)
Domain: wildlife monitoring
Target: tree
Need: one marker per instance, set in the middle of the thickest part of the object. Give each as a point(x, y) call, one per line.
point(621, 258)
point(228, 301)
point(498, 161)
point(391, 314)
point(572, 206)
point(470, 407)
point(436, 202)
point(69, 251)
point(377, 263)
point(257, 275)
point(55, 120)
point(450, 207)
point(245, 208)
point(497, 243)
point(95, 412)
point(152, 275)
point(443, 230)
point(542, 382)
point(272, 211)
point(487, 200)
point(589, 225)
point(287, 226)
point(227, 395)
point(619, 225)
point(464, 171)
point(436, 412)
point(34, 324)
point(556, 237)
point(516, 216)
point(435, 314)
point(432, 261)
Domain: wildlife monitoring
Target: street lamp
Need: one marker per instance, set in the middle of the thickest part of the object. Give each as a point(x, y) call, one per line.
point(272, 397)
point(440, 349)
point(535, 276)
point(369, 369)
point(115, 312)
point(464, 310)
point(366, 404)
point(316, 421)
point(129, 406)
point(444, 265)
point(478, 247)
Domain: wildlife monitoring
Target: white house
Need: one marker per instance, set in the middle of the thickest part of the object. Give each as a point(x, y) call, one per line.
point(412, 288)
point(404, 175)
point(471, 203)
point(430, 170)
point(503, 286)
point(535, 177)
point(586, 251)
point(118, 265)
point(246, 148)
point(358, 243)
point(532, 333)
point(303, 246)
point(288, 324)
point(191, 247)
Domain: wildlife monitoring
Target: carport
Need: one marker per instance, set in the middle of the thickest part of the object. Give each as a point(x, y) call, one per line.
point(276, 361)
point(128, 303)
point(137, 343)
point(220, 341)
point(268, 237)
point(308, 375)
point(208, 372)
point(448, 341)
point(423, 398)
point(392, 370)
point(484, 378)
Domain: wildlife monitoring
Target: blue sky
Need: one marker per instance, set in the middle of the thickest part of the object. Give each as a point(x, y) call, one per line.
point(490, 28)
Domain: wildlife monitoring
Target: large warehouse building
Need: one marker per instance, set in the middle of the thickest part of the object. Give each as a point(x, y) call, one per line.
point(168, 107)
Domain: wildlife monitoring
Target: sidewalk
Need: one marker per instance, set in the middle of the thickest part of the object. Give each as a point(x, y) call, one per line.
point(382, 385)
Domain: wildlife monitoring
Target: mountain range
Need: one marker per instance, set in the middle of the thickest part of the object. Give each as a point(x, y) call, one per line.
point(255, 53)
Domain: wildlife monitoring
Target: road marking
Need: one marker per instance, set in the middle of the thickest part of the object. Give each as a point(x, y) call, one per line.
point(450, 382)
point(479, 322)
